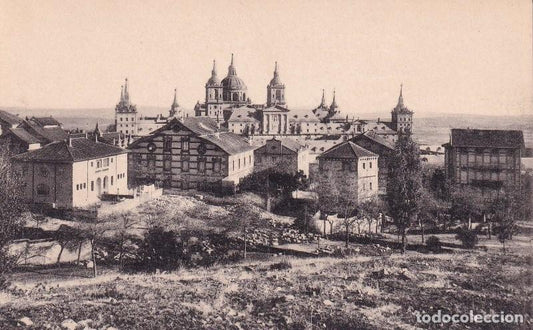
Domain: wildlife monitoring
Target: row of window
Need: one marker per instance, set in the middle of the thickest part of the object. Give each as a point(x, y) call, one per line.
point(465, 176)
point(126, 125)
point(132, 119)
point(370, 186)
point(243, 163)
point(104, 162)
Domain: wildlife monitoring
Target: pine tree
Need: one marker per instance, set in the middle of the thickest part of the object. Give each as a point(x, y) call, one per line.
point(404, 187)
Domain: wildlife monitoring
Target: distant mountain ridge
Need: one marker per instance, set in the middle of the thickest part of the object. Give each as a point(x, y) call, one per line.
point(432, 129)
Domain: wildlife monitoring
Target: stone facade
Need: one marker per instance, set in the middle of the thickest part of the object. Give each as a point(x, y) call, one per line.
point(349, 163)
point(285, 154)
point(191, 154)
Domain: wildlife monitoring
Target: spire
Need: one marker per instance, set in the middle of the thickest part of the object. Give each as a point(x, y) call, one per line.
point(126, 93)
point(97, 130)
point(323, 102)
point(175, 103)
point(214, 71)
point(400, 98)
point(231, 68)
point(121, 93)
point(174, 107)
point(276, 68)
point(333, 103)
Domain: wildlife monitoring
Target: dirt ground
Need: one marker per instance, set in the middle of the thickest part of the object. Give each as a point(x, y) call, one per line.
point(360, 292)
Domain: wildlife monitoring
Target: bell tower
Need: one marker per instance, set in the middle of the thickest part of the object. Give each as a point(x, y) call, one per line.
point(276, 90)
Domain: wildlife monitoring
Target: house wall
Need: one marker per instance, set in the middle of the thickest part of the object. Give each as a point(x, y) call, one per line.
point(483, 166)
point(363, 173)
point(181, 167)
point(126, 122)
point(47, 183)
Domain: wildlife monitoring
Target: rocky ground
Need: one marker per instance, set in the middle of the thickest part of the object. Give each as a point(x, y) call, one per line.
point(367, 290)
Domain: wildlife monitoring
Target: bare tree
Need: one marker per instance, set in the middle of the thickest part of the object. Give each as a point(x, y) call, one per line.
point(12, 205)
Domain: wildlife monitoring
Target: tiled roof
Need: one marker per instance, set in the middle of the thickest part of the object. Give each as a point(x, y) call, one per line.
point(229, 142)
point(243, 114)
point(61, 152)
point(45, 121)
point(307, 116)
point(347, 150)
point(24, 135)
point(487, 138)
point(9, 118)
point(205, 128)
point(372, 135)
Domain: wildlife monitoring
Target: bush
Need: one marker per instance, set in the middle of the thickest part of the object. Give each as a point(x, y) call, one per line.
point(467, 237)
point(284, 264)
point(433, 244)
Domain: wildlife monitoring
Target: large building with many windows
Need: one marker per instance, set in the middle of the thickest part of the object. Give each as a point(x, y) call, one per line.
point(192, 153)
point(486, 159)
point(73, 173)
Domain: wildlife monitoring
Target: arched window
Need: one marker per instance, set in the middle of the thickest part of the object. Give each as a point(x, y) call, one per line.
point(235, 97)
point(42, 189)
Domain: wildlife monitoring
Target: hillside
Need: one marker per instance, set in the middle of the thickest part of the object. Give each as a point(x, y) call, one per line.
point(372, 290)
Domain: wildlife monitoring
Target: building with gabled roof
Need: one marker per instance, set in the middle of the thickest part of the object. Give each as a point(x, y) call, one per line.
point(32, 133)
point(285, 154)
point(384, 148)
point(192, 153)
point(348, 163)
point(8, 120)
point(486, 159)
point(243, 121)
point(73, 173)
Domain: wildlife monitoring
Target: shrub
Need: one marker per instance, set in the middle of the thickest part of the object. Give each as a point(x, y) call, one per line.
point(433, 244)
point(284, 264)
point(467, 237)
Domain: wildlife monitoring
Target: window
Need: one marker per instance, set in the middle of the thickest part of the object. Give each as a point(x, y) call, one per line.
point(201, 165)
point(84, 185)
point(92, 164)
point(111, 180)
point(120, 118)
point(167, 143)
point(77, 187)
point(239, 164)
point(370, 165)
point(216, 164)
point(244, 161)
point(364, 165)
point(92, 185)
point(250, 159)
point(43, 171)
point(185, 165)
point(167, 163)
point(185, 143)
point(370, 185)
point(233, 165)
point(126, 118)
point(151, 161)
point(106, 162)
point(42, 189)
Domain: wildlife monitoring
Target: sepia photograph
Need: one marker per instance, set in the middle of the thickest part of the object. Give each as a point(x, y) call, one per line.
point(251, 164)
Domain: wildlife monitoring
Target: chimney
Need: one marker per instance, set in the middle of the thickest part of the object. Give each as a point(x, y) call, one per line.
point(69, 141)
point(96, 138)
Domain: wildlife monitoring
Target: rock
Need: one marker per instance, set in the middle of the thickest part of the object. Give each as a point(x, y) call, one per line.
point(89, 264)
point(25, 321)
point(111, 328)
point(69, 324)
point(328, 302)
point(85, 323)
point(289, 297)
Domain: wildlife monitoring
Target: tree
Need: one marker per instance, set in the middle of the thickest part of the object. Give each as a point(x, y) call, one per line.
point(243, 218)
point(507, 208)
point(123, 223)
point(371, 209)
point(404, 185)
point(12, 205)
point(467, 203)
point(340, 198)
point(67, 237)
point(274, 182)
point(94, 233)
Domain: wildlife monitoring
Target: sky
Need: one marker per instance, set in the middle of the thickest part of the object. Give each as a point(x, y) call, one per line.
point(452, 56)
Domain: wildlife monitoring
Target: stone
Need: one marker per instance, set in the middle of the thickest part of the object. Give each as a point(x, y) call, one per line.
point(26, 321)
point(328, 302)
point(289, 297)
point(69, 324)
point(85, 323)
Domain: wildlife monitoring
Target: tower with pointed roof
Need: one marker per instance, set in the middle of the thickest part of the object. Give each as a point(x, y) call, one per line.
point(175, 110)
point(401, 116)
point(275, 90)
point(125, 112)
point(333, 107)
point(213, 94)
